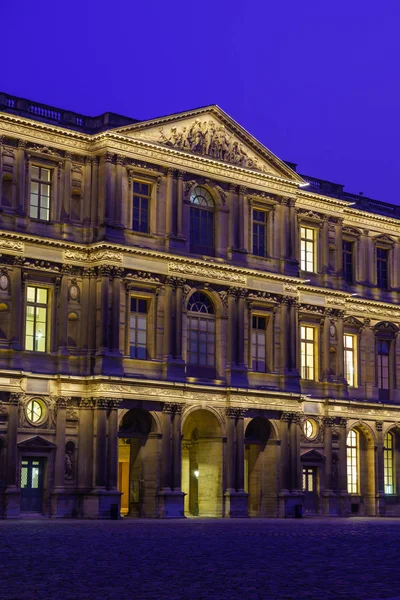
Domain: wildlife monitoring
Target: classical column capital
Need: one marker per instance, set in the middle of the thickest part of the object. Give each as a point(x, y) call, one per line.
point(235, 412)
point(342, 422)
point(173, 408)
point(329, 421)
point(379, 425)
point(86, 403)
point(61, 401)
point(102, 402)
point(16, 398)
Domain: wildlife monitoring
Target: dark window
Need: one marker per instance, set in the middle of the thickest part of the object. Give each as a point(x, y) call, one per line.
point(259, 233)
point(348, 261)
point(141, 203)
point(201, 331)
point(201, 222)
point(383, 364)
point(40, 193)
point(258, 344)
point(138, 329)
point(382, 267)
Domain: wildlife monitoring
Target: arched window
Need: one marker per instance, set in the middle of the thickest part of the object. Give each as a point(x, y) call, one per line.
point(388, 463)
point(201, 221)
point(201, 331)
point(352, 462)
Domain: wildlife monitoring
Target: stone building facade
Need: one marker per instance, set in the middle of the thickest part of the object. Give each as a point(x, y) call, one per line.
point(188, 326)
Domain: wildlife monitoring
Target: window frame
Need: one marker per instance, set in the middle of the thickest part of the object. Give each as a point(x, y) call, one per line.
point(303, 264)
point(265, 225)
point(379, 261)
point(258, 315)
point(200, 209)
point(148, 197)
point(354, 352)
point(306, 343)
point(138, 297)
point(192, 316)
point(350, 280)
point(353, 483)
point(389, 470)
point(40, 183)
point(36, 304)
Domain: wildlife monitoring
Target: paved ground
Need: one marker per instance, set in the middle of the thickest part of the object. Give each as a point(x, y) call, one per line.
point(198, 559)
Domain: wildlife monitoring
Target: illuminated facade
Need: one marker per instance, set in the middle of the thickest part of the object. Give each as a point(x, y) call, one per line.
point(188, 326)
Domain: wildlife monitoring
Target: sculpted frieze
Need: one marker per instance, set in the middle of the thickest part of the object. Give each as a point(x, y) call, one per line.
point(206, 272)
point(11, 245)
point(109, 255)
point(75, 255)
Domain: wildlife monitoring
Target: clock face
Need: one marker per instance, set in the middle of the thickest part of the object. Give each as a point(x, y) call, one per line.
point(3, 282)
point(73, 292)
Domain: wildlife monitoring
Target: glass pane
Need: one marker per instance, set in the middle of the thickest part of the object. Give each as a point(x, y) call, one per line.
point(35, 477)
point(24, 477)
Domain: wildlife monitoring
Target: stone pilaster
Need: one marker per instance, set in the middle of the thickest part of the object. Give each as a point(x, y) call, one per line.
point(112, 445)
point(13, 493)
point(67, 191)
point(101, 443)
point(171, 497)
point(236, 499)
point(179, 204)
point(379, 471)
point(328, 497)
point(344, 495)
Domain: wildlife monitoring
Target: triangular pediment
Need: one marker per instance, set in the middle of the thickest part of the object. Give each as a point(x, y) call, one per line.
point(312, 455)
point(211, 133)
point(36, 442)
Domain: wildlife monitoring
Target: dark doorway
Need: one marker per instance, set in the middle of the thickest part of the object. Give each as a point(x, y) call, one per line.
point(310, 485)
point(32, 470)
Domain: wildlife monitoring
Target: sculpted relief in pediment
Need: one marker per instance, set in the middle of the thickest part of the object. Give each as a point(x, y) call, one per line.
point(206, 137)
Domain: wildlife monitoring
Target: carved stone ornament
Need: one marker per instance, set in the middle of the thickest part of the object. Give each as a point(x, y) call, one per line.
point(11, 245)
point(109, 255)
point(379, 425)
point(75, 255)
point(210, 138)
point(172, 408)
point(4, 282)
point(235, 412)
point(207, 272)
point(44, 150)
point(74, 292)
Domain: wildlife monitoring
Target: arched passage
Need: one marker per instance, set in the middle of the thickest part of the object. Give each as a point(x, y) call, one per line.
point(361, 470)
point(261, 467)
point(202, 459)
point(138, 458)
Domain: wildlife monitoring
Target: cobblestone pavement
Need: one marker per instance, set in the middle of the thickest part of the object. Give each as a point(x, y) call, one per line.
point(197, 559)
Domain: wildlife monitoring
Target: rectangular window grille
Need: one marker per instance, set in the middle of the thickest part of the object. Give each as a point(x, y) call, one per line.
point(350, 359)
point(40, 193)
point(382, 263)
point(141, 205)
point(258, 343)
point(201, 341)
point(307, 344)
point(307, 249)
point(138, 329)
point(36, 319)
point(388, 464)
point(259, 233)
point(347, 253)
point(352, 462)
point(383, 364)
point(201, 230)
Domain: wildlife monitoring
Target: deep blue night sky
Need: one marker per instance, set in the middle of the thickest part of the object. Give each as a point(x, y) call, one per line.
point(316, 82)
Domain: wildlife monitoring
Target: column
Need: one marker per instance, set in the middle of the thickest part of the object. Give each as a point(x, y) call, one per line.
point(178, 317)
point(94, 200)
point(16, 307)
point(66, 198)
point(294, 451)
point(63, 311)
point(343, 456)
point(59, 465)
point(168, 318)
point(230, 449)
point(294, 329)
point(112, 445)
point(108, 214)
point(92, 274)
point(242, 220)
point(118, 190)
point(83, 338)
point(242, 293)
point(325, 245)
point(231, 333)
point(283, 338)
point(293, 236)
point(21, 170)
point(177, 448)
point(340, 345)
point(101, 442)
point(339, 246)
point(325, 347)
point(233, 219)
point(276, 214)
point(1, 167)
point(12, 448)
point(166, 448)
point(169, 212)
point(85, 444)
point(104, 272)
point(379, 469)
point(284, 447)
point(179, 204)
point(328, 423)
point(240, 450)
point(87, 184)
point(116, 304)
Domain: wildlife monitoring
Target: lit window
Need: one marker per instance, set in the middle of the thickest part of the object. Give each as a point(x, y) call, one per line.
point(259, 233)
point(141, 204)
point(307, 343)
point(350, 360)
point(309, 429)
point(352, 462)
point(36, 319)
point(388, 463)
point(307, 241)
point(347, 254)
point(40, 193)
point(201, 221)
point(138, 329)
point(258, 343)
point(382, 268)
point(34, 411)
point(201, 331)
point(383, 348)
